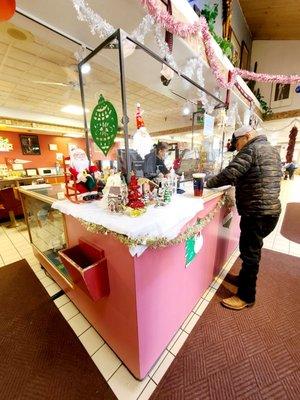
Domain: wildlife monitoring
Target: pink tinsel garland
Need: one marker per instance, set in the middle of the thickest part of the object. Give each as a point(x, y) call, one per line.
point(185, 30)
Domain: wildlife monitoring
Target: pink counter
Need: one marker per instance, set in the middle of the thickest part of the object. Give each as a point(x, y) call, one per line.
point(151, 295)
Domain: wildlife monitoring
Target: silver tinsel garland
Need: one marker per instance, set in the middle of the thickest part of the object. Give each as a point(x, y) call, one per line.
point(193, 68)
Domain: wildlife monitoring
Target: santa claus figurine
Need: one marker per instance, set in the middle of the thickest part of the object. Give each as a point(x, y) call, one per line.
point(84, 174)
point(142, 141)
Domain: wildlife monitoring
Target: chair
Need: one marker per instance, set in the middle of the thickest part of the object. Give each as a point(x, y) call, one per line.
point(11, 206)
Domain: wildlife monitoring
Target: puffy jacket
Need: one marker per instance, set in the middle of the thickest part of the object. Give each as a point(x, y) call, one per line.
point(256, 173)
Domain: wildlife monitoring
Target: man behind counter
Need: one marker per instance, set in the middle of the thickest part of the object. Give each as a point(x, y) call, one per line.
point(256, 173)
point(154, 161)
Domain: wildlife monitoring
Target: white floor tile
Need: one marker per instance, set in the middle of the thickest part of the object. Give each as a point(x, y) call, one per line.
point(52, 289)
point(198, 304)
point(40, 274)
point(106, 361)
point(295, 248)
point(62, 300)
point(79, 324)
point(69, 310)
point(171, 344)
point(147, 392)
point(202, 307)
point(179, 343)
point(216, 283)
point(162, 369)
point(157, 364)
point(187, 320)
point(46, 281)
point(91, 340)
point(192, 323)
point(210, 294)
point(125, 386)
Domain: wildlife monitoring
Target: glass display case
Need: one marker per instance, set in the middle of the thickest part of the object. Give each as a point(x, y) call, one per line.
point(45, 225)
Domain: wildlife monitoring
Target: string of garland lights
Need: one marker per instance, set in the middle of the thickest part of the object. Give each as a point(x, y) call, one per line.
point(157, 242)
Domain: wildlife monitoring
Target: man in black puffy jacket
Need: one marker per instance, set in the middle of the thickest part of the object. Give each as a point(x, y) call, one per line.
point(256, 173)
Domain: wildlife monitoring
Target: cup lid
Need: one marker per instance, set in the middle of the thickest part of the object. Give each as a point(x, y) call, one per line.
point(199, 175)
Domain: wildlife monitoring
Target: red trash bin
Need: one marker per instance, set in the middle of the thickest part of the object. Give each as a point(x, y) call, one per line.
point(87, 265)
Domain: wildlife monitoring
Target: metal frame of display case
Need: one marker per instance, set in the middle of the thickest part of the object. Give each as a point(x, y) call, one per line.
point(116, 40)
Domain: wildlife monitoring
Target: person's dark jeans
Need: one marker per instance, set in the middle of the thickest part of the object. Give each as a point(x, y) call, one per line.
point(291, 173)
point(253, 230)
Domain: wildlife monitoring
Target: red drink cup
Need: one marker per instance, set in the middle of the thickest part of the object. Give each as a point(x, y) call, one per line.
point(198, 180)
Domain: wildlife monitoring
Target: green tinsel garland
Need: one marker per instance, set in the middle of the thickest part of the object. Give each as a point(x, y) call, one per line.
point(161, 241)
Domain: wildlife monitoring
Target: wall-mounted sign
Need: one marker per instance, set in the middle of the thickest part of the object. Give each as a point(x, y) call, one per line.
point(53, 147)
point(5, 145)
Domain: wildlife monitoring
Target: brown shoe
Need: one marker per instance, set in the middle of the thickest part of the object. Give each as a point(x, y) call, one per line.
point(232, 279)
point(235, 303)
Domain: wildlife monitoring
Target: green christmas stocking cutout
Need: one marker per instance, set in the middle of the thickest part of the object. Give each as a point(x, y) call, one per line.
point(104, 125)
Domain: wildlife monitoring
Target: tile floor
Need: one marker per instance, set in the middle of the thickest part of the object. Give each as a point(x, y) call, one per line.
point(14, 245)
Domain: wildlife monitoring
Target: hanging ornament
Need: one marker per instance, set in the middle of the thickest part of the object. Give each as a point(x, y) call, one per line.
point(7, 9)
point(104, 125)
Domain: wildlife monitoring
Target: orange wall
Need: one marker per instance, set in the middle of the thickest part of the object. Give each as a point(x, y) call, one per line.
point(47, 157)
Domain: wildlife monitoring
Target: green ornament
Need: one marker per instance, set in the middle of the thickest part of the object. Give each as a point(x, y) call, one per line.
point(104, 125)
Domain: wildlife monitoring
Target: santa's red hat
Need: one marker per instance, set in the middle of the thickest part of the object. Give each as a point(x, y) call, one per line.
point(138, 116)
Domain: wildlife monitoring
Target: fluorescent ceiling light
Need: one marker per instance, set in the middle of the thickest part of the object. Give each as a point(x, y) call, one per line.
point(73, 135)
point(86, 68)
point(71, 109)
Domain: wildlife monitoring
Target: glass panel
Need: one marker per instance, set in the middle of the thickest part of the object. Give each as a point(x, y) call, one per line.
point(168, 105)
point(47, 230)
point(50, 191)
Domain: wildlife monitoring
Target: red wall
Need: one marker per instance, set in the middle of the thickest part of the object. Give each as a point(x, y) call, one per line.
point(47, 157)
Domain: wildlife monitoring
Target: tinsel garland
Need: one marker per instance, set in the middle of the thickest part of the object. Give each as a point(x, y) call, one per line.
point(95, 21)
point(164, 48)
point(291, 145)
point(143, 29)
point(185, 30)
point(160, 241)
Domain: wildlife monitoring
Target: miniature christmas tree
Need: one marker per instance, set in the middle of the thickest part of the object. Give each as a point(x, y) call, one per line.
point(134, 196)
point(167, 195)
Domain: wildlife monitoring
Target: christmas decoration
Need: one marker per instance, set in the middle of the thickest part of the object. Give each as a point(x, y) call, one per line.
point(185, 30)
point(134, 195)
point(7, 9)
point(84, 175)
point(157, 242)
point(103, 28)
point(142, 141)
point(192, 247)
point(113, 181)
point(163, 19)
point(117, 198)
point(5, 145)
point(167, 195)
point(104, 124)
point(291, 145)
